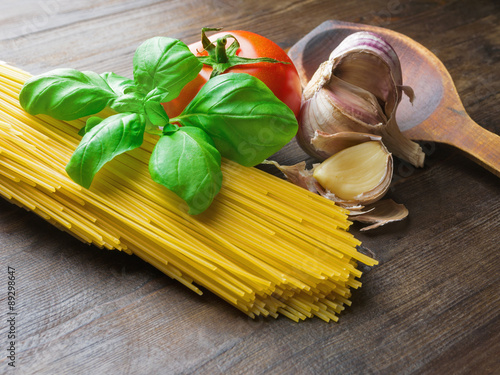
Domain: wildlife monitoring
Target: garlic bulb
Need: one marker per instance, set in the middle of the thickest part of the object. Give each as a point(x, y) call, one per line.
point(358, 89)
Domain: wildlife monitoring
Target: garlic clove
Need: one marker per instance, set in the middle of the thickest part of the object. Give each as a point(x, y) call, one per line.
point(377, 213)
point(381, 213)
point(365, 187)
point(360, 173)
point(321, 114)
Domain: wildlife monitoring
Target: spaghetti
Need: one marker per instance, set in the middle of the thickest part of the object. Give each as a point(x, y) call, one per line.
point(265, 246)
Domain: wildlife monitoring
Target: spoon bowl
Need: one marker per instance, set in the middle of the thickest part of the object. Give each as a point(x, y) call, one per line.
point(437, 113)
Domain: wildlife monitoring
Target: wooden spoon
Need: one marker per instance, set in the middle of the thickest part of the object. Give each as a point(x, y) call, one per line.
point(437, 114)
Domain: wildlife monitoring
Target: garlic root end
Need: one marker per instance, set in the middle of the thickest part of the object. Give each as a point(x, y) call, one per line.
point(404, 148)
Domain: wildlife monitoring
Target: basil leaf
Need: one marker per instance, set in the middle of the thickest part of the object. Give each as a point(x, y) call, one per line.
point(156, 115)
point(91, 122)
point(165, 64)
point(105, 140)
point(66, 94)
point(157, 95)
point(120, 85)
point(131, 102)
point(187, 163)
point(127, 98)
point(246, 121)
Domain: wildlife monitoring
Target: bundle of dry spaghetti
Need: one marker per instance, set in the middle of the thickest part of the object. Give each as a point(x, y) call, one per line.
point(265, 246)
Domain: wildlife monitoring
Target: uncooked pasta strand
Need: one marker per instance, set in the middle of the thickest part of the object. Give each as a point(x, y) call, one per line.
point(265, 246)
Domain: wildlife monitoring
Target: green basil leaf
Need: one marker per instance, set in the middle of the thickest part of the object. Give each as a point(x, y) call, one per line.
point(156, 115)
point(91, 122)
point(130, 102)
point(246, 121)
point(105, 140)
point(187, 163)
point(127, 98)
point(165, 64)
point(157, 95)
point(66, 94)
point(120, 85)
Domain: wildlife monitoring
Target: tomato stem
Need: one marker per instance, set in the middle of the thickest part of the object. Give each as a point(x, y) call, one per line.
point(207, 44)
point(221, 58)
point(220, 51)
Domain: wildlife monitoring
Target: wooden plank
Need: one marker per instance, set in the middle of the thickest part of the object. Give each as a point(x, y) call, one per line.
point(431, 306)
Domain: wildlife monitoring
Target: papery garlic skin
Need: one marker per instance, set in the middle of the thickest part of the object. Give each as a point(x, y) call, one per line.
point(358, 90)
point(381, 213)
point(327, 144)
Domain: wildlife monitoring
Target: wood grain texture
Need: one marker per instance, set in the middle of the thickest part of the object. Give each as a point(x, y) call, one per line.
point(431, 306)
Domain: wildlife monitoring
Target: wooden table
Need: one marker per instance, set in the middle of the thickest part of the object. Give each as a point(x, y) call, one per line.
point(431, 306)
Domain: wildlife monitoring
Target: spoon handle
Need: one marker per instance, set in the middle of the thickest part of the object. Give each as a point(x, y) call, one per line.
point(481, 144)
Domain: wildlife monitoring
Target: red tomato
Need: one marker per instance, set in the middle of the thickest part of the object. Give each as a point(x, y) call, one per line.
point(282, 79)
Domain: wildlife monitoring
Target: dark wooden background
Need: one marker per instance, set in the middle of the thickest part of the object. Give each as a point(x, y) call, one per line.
point(431, 306)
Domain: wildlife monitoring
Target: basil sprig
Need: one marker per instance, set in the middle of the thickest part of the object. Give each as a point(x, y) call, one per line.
point(235, 116)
